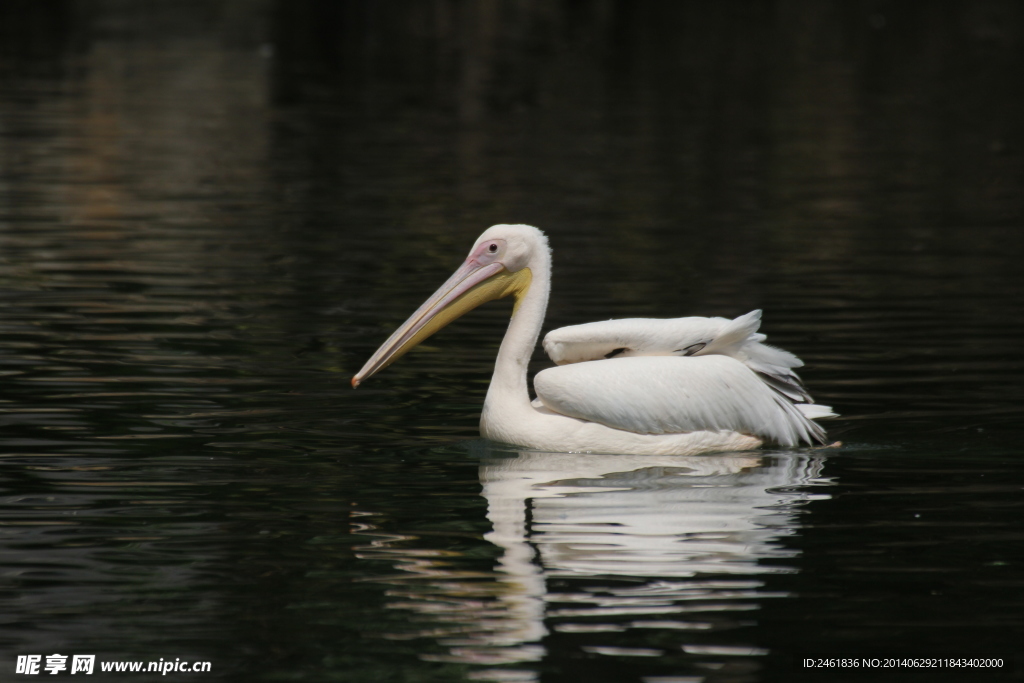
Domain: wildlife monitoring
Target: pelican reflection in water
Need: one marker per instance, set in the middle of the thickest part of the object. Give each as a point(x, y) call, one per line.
point(609, 543)
point(639, 386)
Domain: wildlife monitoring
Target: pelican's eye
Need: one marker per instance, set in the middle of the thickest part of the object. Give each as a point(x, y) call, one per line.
point(488, 252)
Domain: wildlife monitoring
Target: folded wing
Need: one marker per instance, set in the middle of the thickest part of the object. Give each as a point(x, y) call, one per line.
point(667, 395)
point(693, 336)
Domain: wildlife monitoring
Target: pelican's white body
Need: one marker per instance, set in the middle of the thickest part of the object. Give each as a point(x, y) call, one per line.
point(639, 386)
point(663, 404)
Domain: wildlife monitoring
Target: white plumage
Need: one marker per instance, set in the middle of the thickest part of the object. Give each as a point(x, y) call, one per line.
point(666, 395)
point(682, 337)
point(659, 376)
point(642, 386)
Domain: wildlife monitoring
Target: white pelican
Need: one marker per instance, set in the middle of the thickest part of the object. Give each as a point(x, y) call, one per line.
point(649, 387)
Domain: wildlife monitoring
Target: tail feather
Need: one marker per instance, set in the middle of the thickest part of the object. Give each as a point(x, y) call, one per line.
point(815, 411)
point(740, 339)
point(787, 385)
point(734, 335)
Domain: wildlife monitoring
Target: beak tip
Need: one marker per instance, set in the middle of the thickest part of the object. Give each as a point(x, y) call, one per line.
point(355, 382)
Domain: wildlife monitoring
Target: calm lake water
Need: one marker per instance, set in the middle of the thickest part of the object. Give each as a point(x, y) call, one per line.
point(211, 214)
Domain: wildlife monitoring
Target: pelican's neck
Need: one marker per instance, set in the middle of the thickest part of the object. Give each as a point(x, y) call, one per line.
point(508, 388)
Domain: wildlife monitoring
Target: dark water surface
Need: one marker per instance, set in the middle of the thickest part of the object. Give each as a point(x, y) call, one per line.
point(212, 213)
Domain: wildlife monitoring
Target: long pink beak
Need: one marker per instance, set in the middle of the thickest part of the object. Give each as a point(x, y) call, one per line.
point(434, 314)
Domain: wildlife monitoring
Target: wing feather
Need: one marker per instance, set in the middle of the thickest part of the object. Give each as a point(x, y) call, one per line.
point(693, 336)
point(668, 394)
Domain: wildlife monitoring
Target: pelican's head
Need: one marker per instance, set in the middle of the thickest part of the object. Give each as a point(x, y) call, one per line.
point(498, 265)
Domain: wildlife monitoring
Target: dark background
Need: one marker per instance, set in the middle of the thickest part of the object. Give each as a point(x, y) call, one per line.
point(211, 213)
